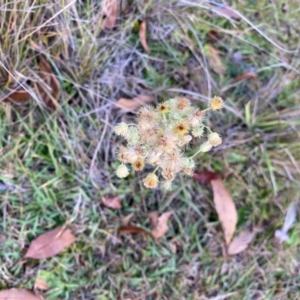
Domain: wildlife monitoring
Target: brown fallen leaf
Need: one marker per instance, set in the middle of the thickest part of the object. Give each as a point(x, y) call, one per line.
point(214, 59)
point(133, 229)
point(240, 242)
point(14, 294)
point(227, 12)
point(50, 243)
point(18, 95)
point(161, 227)
point(205, 176)
point(225, 208)
point(110, 9)
point(49, 90)
point(247, 75)
point(111, 202)
point(143, 36)
point(132, 104)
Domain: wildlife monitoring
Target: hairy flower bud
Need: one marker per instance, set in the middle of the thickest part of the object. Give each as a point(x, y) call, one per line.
point(205, 147)
point(215, 139)
point(151, 181)
point(121, 129)
point(122, 171)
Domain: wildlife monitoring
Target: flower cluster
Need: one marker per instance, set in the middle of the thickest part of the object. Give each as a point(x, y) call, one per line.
point(160, 137)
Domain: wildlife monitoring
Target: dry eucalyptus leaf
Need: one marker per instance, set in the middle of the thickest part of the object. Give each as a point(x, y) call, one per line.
point(111, 202)
point(143, 36)
point(14, 294)
point(50, 243)
point(161, 227)
point(132, 229)
point(225, 208)
point(132, 104)
point(49, 90)
point(110, 9)
point(19, 95)
point(214, 59)
point(247, 75)
point(240, 242)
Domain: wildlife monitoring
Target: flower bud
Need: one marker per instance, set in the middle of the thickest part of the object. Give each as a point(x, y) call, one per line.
point(151, 181)
point(215, 139)
point(122, 171)
point(205, 147)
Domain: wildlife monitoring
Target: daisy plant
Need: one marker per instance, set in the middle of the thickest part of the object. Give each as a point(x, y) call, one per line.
point(160, 138)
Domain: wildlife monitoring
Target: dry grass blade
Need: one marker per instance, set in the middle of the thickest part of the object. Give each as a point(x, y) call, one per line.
point(240, 242)
point(16, 96)
point(214, 59)
point(289, 222)
point(161, 227)
point(227, 12)
point(14, 294)
point(143, 36)
point(50, 243)
point(111, 202)
point(225, 208)
point(50, 90)
point(111, 10)
point(132, 104)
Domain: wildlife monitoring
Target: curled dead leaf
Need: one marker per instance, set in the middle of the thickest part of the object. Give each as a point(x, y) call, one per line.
point(50, 243)
point(110, 9)
point(111, 202)
point(132, 104)
point(14, 294)
point(49, 89)
point(143, 36)
point(240, 242)
point(161, 227)
point(225, 208)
